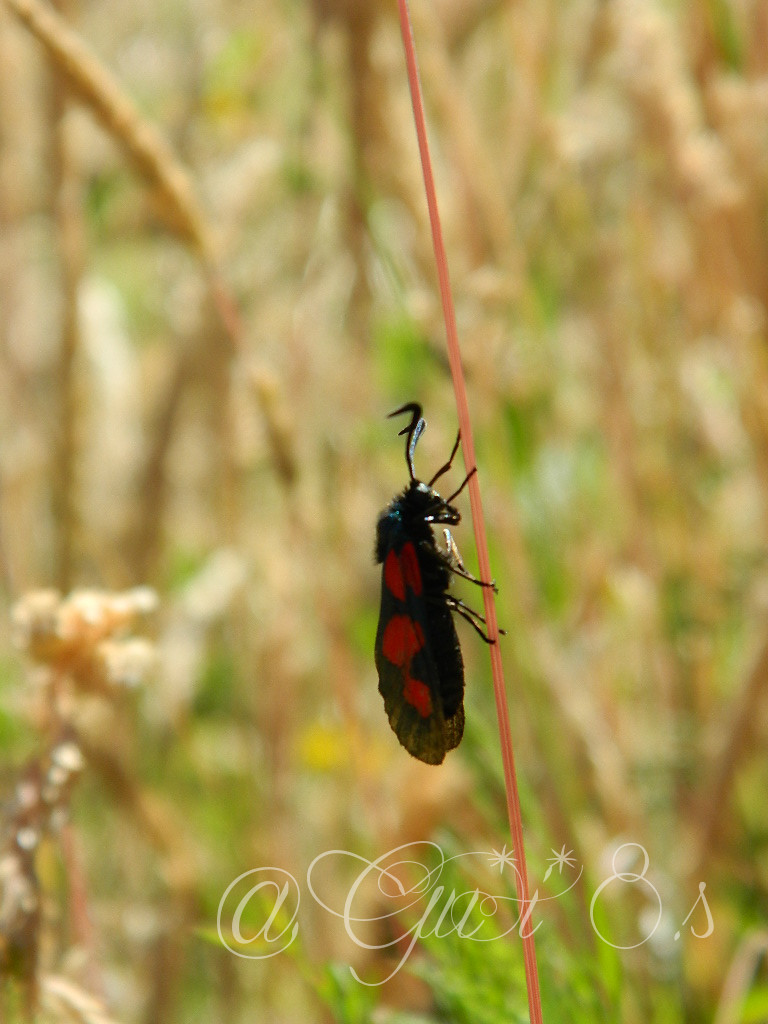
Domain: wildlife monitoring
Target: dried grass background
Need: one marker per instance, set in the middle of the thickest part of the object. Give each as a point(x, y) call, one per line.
point(215, 280)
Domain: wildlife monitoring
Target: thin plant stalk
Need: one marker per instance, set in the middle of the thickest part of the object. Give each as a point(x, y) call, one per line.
point(478, 521)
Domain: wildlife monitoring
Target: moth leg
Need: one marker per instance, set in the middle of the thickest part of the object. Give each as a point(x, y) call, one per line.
point(472, 617)
point(464, 609)
point(467, 613)
point(455, 564)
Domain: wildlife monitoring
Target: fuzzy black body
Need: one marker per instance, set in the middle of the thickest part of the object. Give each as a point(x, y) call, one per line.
point(421, 672)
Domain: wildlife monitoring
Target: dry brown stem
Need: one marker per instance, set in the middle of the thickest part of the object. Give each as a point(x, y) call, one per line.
point(65, 202)
point(117, 113)
point(144, 540)
point(488, 211)
point(738, 742)
point(83, 932)
point(67, 1001)
point(155, 160)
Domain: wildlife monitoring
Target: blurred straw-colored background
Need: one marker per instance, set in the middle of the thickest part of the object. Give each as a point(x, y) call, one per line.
point(215, 281)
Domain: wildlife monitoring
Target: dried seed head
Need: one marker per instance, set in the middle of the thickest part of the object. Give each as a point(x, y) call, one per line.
point(10, 865)
point(50, 794)
point(27, 838)
point(57, 776)
point(126, 663)
point(68, 756)
point(80, 635)
point(139, 600)
point(27, 794)
point(35, 622)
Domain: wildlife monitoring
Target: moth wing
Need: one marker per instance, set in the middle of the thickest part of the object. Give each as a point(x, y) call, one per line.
point(409, 673)
point(446, 651)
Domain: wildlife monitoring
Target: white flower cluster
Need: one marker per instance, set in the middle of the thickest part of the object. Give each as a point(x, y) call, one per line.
point(85, 635)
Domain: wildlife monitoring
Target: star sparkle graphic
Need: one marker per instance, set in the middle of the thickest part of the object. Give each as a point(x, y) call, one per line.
point(559, 861)
point(501, 858)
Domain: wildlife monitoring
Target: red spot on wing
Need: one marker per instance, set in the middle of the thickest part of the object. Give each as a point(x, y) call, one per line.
point(393, 577)
point(417, 694)
point(401, 571)
point(402, 639)
point(409, 565)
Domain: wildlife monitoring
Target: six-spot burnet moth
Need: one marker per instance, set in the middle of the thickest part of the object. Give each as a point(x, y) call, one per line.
point(418, 657)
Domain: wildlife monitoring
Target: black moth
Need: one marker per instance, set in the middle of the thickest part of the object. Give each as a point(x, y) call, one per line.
point(418, 657)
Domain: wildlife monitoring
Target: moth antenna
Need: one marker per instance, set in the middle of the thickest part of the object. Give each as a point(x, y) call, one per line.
point(449, 463)
point(414, 430)
point(467, 478)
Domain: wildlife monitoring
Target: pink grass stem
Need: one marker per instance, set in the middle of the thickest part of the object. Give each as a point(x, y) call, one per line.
point(468, 449)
